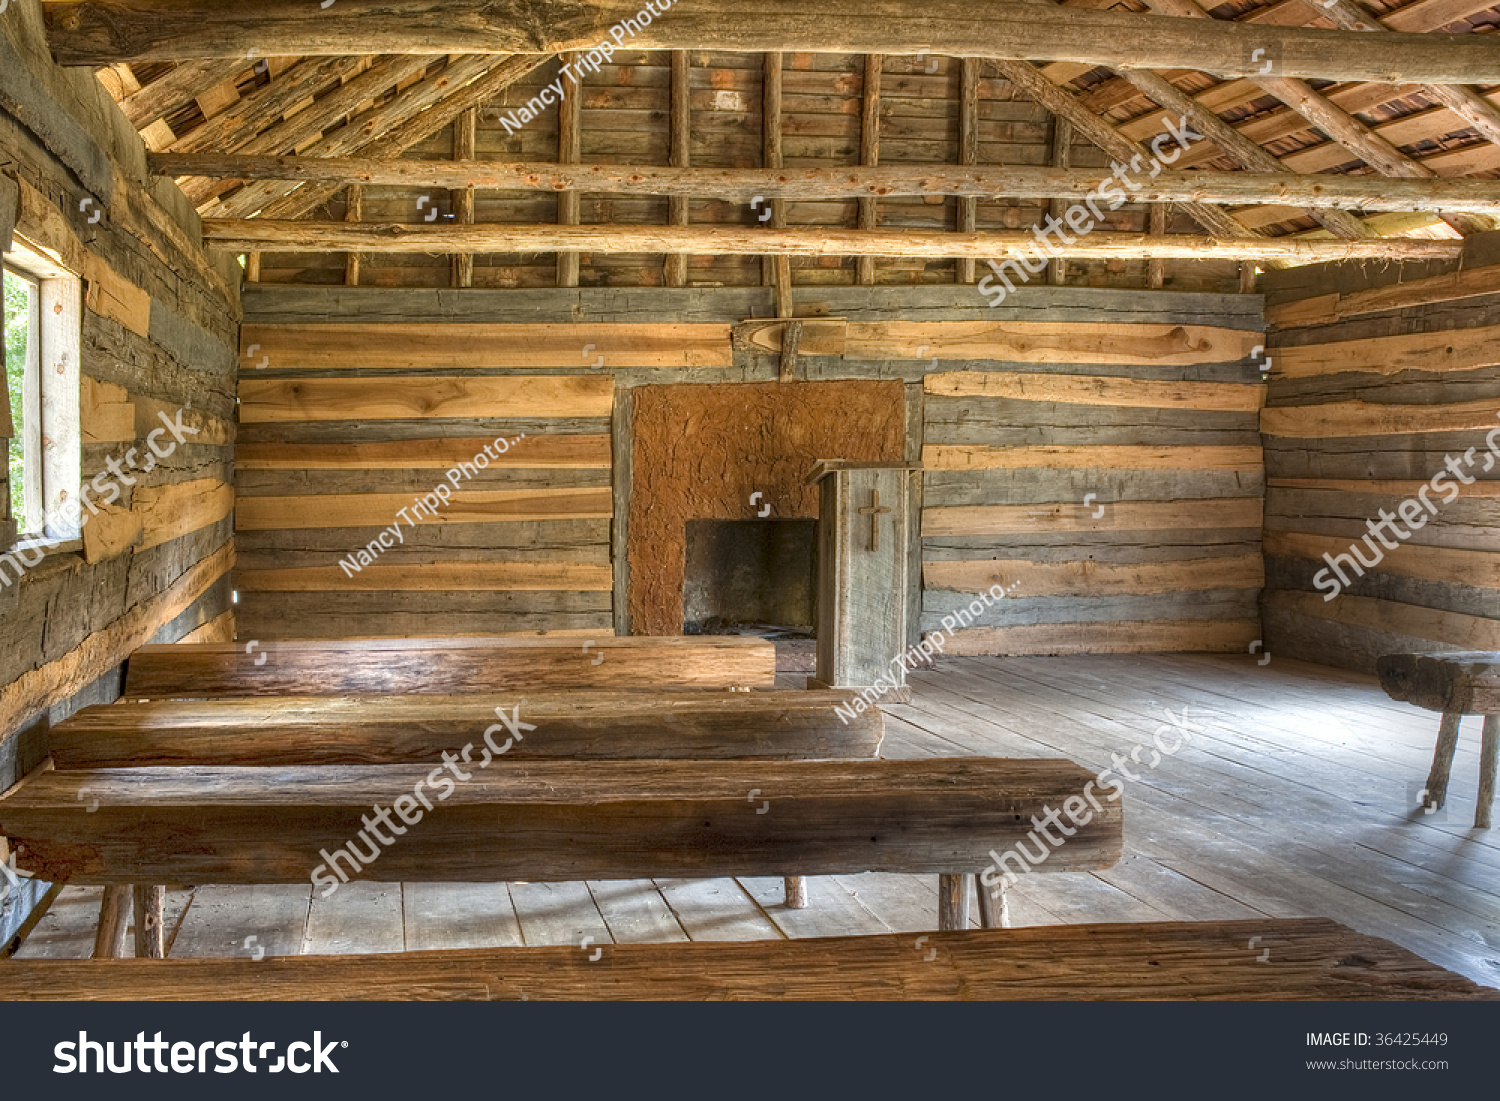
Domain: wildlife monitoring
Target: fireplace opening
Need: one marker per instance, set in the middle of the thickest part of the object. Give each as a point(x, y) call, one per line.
point(751, 577)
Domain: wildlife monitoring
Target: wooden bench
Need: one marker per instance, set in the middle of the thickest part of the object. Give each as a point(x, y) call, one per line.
point(597, 724)
point(545, 820)
point(1457, 683)
point(446, 666)
point(1301, 959)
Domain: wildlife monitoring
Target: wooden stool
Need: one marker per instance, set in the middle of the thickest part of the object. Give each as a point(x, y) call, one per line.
point(1457, 683)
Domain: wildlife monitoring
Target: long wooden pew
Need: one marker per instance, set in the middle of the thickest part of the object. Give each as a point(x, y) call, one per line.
point(778, 724)
point(446, 666)
point(544, 820)
point(1302, 959)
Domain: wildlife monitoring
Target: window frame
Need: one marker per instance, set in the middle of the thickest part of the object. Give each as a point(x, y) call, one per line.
point(28, 512)
point(52, 448)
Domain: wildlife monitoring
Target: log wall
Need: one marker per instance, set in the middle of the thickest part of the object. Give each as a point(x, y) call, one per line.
point(357, 396)
point(158, 323)
point(1381, 375)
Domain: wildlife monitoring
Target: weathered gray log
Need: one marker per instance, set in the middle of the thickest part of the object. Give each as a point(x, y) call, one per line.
point(389, 730)
point(545, 821)
point(1442, 762)
point(1464, 681)
point(446, 666)
point(101, 32)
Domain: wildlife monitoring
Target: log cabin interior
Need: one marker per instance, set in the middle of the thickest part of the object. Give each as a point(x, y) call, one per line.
point(739, 487)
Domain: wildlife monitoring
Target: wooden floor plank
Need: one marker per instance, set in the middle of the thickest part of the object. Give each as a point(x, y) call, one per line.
point(717, 909)
point(458, 915)
point(223, 920)
point(358, 917)
point(558, 913)
point(635, 912)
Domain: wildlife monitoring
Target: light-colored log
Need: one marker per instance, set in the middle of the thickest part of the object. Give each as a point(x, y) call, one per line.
point(100, 32)
point(259, 233)
point(1098, 390)
point(777, 268)
point(1216, 513)
point(861, 182)
point(1061, 157)
point(353, 212)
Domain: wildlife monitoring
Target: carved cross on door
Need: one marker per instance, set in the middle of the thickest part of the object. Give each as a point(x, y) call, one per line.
point(874, 511)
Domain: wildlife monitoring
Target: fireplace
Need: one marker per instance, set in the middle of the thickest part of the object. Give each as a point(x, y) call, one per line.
point(750, 574)
point(720, 521)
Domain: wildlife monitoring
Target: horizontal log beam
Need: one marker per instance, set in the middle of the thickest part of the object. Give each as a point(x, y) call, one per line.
point(808, 184)
point(253, 234)
point(100, 32)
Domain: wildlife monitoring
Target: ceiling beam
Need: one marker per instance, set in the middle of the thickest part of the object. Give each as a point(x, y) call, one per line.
point(101, 32)
point(1435, 195)
point(258, 233)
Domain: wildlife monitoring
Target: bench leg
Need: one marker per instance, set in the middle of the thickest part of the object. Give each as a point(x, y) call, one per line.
point(114, 916)
point(1442, 761)
point(1489, 749)
point(796, 892)
point(994, 910)
point(150, 906)
point(953, 902)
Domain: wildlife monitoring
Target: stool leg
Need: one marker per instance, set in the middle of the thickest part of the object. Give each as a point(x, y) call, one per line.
point(1442, 761)
point(150, 906)
point(114, 916)
point(1488, 751)
point(953, 902)
point(796, 892)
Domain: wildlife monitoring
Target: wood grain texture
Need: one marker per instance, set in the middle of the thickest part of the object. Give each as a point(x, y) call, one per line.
point(1114, 637)
point(597, 724)
point(446, 666)
point(329, 399)
point(1098, 390)
point(1050, 342)
point(1325, 309)
point(336, 510)
point(1477, 568)
point(1087, 577)
point(1090, 457)
point(1456, 350)
point(449, 346)
point(1465, 682)
point(1064, 516)
point(542, 452)
point(427, 576)
point(552, 821)
point(95, 32)
point(1360, 418)
point(1433, 624)
point(1313, 959)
